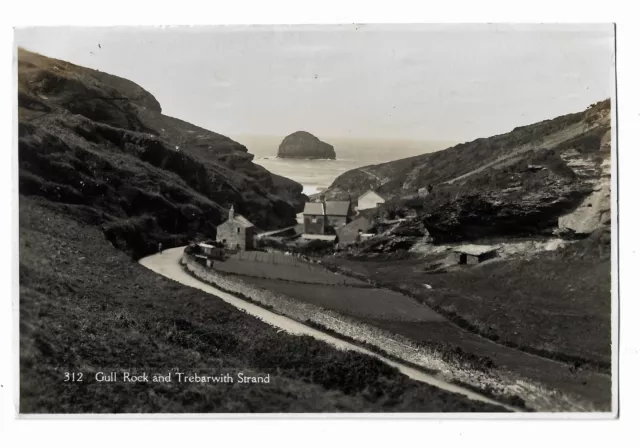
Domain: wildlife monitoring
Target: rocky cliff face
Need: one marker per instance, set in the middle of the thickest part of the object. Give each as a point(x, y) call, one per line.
point(99, 147)
point(552, 176)
point(594, 212)
point(303, 145)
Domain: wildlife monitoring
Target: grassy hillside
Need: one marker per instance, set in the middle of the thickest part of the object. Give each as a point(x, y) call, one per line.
point(556, 303)
point(101, 145)
point(512, 185)
point(404, 177)
point(553, 305)
point(86, 307)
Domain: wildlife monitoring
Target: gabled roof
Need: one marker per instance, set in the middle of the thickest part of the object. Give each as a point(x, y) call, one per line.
point(240, 220)
point(370, 192)
point(313, 208)
point(475, 249)
point(337, 208)
point(350, 231)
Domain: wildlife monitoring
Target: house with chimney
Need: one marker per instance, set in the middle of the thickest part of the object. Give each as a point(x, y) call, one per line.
point(237, 232)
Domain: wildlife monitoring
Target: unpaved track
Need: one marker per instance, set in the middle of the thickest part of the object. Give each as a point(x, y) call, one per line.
point(168, 265)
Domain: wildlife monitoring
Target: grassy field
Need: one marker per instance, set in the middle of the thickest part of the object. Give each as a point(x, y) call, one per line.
point(406, 316)
point(555, 304)
point(86, 307)
point(356, 302)
point(283, 267)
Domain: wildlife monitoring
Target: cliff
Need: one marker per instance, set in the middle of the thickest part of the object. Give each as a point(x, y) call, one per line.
point(551, 176)
point(303, 145)
point(99, 148)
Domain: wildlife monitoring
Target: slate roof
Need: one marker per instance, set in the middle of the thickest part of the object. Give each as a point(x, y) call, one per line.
point(349, 232)
point(313, 208)
point(370, 191)
point(244, 222)
point(475, 249)
point(337, 208)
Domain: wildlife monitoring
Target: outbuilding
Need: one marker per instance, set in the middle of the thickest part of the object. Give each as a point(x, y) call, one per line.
point(475, 253)
point(352, 232)
point(215, 252)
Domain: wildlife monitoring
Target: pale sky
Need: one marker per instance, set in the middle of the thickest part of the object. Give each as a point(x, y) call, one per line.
point(422, 82)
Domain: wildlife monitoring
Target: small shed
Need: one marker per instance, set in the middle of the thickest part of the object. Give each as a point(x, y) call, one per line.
point(352, 232)
point(475, 253)
point(212, 252)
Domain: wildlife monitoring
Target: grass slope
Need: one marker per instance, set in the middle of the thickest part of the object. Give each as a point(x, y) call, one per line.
point(556, 304)
point(406, 176)
point(86, 307)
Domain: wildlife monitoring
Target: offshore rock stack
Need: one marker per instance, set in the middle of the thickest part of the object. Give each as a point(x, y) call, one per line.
point(303, 145)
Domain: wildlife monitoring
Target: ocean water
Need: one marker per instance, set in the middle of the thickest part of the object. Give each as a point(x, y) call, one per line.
point(317, 175)
point(314, 175)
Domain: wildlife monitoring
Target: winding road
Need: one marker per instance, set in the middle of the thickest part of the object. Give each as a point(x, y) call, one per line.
point(167, 264)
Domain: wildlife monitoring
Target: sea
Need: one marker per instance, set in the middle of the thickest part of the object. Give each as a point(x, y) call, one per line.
point(317, 175)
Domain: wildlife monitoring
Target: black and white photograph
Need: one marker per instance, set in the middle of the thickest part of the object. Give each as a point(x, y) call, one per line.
point(321, 219)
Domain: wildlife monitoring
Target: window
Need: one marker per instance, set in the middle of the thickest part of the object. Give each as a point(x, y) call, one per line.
point(314, 220)
point(238, 230)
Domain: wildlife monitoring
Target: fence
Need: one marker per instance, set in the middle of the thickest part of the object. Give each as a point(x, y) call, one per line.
point(271, 258)
point(278, 266)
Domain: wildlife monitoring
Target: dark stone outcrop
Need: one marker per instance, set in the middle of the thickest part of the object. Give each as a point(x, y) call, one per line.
point(99, 148)
point(303, 145)
point(535, 180)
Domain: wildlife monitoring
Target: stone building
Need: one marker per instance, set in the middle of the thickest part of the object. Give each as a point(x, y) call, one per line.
point(324, 217)
point(237, 232)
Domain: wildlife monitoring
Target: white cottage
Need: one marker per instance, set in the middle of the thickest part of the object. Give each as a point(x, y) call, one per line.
point(369, 200)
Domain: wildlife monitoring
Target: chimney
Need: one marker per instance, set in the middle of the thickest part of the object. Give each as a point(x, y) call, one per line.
point(231, 213)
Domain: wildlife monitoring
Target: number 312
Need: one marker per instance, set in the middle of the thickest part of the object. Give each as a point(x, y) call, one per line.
point(74, 377)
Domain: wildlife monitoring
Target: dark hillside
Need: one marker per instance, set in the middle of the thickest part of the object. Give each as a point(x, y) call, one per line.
point(100, 145)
